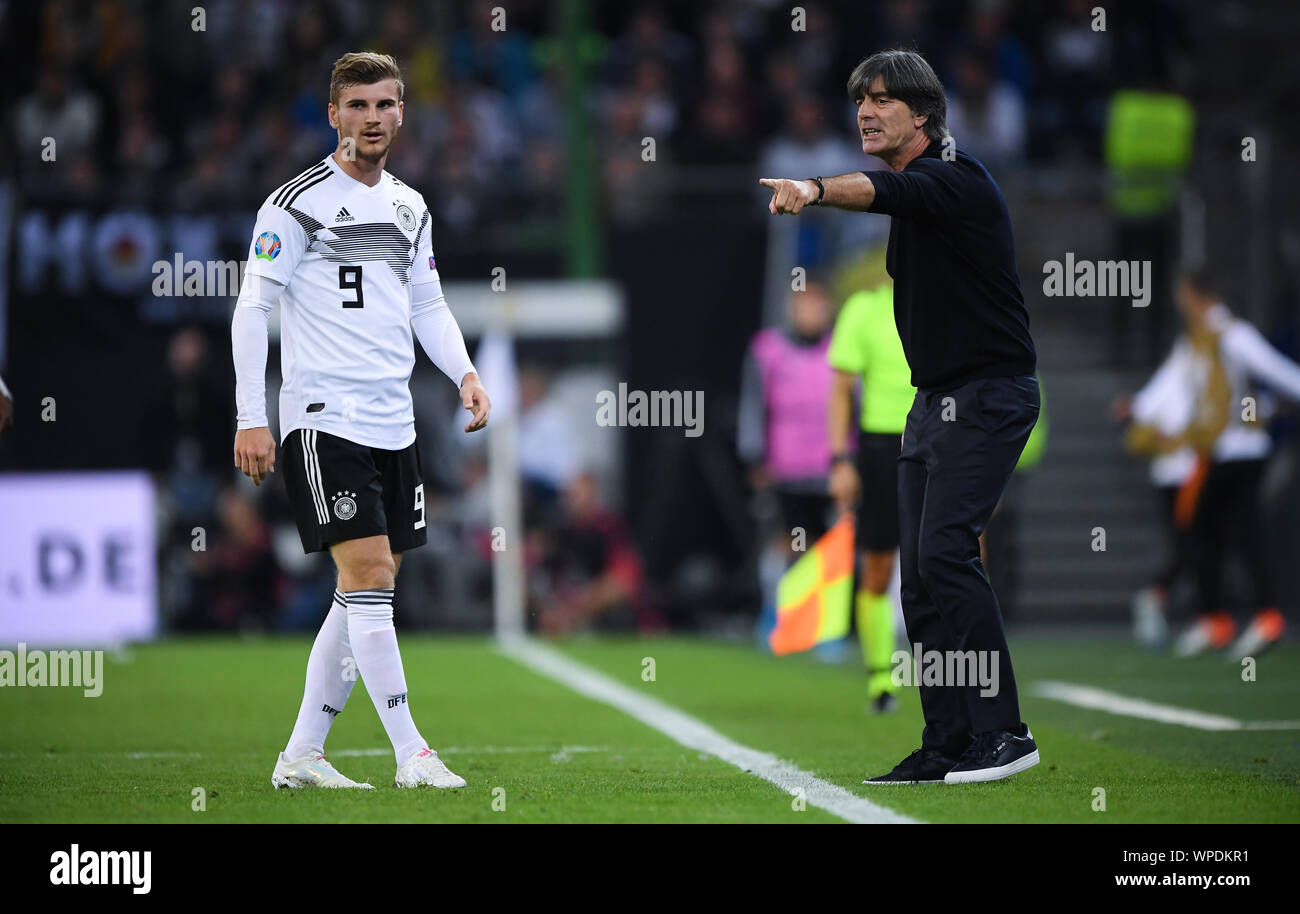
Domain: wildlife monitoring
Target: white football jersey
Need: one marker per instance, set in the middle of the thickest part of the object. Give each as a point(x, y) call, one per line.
point(347, 255)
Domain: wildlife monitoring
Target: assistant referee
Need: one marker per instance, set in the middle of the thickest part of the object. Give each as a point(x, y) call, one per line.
point(965, 332)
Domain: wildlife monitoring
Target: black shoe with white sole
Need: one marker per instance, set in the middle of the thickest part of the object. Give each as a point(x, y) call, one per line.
point(994, 755)
point(924, 766)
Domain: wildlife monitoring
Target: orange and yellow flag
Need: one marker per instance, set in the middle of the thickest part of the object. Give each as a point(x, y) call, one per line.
point(815, 596)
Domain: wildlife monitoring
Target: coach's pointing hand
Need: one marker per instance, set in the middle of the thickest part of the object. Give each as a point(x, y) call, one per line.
point(789, 196)
point(476, 401)
point(255, 453)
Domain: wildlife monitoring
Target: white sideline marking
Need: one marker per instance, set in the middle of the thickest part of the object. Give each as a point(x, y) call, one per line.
point(695, 734)
point(354, 753)
point(130, 755)
point(476, 750)
point(1114, 703)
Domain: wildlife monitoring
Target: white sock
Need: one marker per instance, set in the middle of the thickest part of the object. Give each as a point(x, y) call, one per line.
point(329, 682)
point(374, 644)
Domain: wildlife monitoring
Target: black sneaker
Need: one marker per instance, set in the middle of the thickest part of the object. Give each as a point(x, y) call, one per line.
point(994, 755)
point(884, 703)
point(924, 766)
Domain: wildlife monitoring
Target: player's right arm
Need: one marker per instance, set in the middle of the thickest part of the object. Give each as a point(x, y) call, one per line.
point(254, 444)
point(278, 245)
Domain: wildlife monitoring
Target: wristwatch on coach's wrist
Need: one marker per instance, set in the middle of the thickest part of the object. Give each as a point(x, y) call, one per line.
point(836, 458)
point(821, 191)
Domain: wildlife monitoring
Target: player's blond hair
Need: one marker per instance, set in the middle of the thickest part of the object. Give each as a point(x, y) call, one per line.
point(362, 68)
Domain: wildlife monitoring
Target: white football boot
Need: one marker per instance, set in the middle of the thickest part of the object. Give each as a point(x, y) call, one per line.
point(425, 769)
point(310, 771)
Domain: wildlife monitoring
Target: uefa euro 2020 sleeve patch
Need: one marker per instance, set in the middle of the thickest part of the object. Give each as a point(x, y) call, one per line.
point(267, 246)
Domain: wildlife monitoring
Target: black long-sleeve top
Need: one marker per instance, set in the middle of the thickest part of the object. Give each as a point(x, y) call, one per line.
point(957, 300)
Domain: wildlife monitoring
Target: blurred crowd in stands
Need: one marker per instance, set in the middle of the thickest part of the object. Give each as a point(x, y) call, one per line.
point(144, 107)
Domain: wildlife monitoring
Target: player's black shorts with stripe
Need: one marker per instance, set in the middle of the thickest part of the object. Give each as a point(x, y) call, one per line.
point(877, 518)
point(340, 490)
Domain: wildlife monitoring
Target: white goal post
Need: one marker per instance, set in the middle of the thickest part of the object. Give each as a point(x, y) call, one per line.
point(538, 309)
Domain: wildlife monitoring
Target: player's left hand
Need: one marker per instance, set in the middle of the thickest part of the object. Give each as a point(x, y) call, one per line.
point(475, 399)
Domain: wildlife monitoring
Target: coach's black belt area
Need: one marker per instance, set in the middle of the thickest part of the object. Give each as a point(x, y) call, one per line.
point(1026, 383)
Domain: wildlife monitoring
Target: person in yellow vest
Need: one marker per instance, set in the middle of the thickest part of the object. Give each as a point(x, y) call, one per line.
point(865, 346)
point(1148, 147)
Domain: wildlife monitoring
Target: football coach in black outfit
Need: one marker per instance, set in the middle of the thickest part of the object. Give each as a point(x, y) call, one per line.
point(965, 331)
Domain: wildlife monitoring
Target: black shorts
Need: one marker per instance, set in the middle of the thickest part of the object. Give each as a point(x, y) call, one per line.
point(809, 511)
point(877, 518)
point(340, 490)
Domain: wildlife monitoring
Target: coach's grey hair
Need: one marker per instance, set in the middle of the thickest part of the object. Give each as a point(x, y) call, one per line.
point(908, 78)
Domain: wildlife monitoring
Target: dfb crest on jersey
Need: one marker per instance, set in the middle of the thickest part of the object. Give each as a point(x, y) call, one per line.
point(267, 246)
point(406, 217)
point(344, 506)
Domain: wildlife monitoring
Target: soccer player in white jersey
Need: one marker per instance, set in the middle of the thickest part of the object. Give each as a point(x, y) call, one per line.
point(345, 249)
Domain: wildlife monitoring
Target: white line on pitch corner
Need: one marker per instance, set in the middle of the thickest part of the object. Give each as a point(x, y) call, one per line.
point(130, 755)
point(696, 734)
point(1113, 703)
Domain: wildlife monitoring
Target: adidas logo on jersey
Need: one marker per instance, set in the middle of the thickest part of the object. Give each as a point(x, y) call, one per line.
point(345, 216)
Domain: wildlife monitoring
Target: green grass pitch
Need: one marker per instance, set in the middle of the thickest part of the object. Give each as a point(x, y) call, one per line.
point(212, 714)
